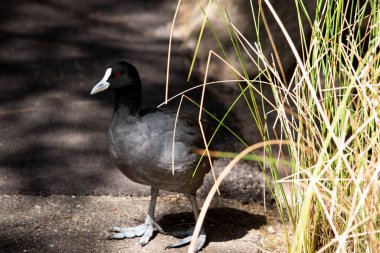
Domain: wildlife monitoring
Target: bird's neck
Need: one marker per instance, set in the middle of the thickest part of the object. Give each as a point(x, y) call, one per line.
point(128, 101)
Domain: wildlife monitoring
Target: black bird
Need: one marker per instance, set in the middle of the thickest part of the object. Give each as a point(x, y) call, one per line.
point(141, 145)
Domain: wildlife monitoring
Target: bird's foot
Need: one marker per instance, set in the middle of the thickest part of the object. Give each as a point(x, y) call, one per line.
point(188, 236)
point(144, 230)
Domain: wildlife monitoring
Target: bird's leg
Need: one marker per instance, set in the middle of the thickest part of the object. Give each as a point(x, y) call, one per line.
point(144, 230)
point(189, 233)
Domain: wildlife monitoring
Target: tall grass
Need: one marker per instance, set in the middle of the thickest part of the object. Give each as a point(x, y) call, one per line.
point(329, 116)
point(336, 148)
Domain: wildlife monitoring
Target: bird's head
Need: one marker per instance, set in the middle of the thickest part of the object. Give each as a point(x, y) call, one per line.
point(121, 75)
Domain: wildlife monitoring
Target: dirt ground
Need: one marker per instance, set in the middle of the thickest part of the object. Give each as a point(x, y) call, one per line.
point(61, 223)
point(59, 190)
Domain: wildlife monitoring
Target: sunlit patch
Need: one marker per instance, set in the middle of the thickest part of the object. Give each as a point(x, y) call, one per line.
point(68, 140)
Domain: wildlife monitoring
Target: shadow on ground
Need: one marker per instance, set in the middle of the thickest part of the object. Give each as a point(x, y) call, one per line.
point(221, 224)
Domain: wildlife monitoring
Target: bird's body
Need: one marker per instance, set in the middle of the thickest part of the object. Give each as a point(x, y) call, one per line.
point(149, 133)
point(141, 145)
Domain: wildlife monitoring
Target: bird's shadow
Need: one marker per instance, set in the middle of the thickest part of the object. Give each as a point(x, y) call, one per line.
point(221, 224)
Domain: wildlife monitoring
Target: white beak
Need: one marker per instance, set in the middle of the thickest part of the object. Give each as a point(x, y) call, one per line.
point(103, 84)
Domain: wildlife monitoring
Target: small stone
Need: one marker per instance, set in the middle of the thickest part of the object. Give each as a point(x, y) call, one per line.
point(271, 230)
point(256, 238)
point(38, 207)
point(79, 206)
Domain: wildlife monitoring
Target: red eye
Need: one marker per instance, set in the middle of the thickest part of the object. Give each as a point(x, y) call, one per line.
point(117, 74)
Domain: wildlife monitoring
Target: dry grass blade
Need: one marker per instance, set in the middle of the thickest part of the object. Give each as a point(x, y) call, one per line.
point(174, 132)
point(169, 52)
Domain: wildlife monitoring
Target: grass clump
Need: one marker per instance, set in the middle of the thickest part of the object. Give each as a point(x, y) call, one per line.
point(336, 180)
point(329, 115)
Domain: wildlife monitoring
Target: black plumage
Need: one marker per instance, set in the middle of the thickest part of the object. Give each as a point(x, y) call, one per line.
point(141, 145)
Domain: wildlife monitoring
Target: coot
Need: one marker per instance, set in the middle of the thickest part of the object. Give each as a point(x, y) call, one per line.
point(140, 142)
